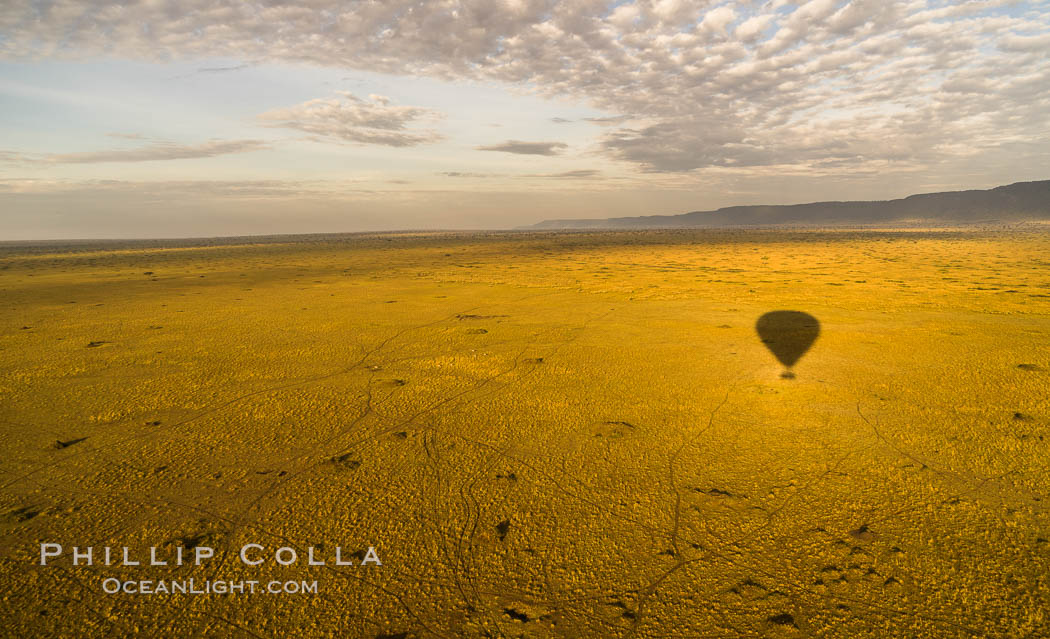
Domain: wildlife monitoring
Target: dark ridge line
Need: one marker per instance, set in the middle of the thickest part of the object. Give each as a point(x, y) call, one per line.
point(1017, 202)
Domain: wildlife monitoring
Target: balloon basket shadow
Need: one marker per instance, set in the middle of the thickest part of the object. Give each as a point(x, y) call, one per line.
point(787, 375)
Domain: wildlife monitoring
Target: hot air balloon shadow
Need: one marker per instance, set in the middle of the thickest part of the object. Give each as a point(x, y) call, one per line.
point(788, 335)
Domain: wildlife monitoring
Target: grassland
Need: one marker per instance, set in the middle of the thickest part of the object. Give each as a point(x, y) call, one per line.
point(542, 435)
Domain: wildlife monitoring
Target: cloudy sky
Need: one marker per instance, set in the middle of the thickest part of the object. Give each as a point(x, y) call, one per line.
point(168, 118)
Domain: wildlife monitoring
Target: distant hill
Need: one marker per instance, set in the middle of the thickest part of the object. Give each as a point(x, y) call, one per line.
point(1023, 201)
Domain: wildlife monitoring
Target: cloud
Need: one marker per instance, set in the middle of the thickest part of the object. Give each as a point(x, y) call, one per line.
point(236, 67)
point(683, 147)
point(568, 175)
point(750, 29)
point(175, 189)
point(715, 21)
point(609, 120)
point(1016, 42)
point(733, 83)
point(526, 148)
point(467, 174)
point(160, 151)
point(153, 152)
point(349, 118)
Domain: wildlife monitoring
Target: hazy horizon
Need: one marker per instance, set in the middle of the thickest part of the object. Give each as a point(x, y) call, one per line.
point(210, 119)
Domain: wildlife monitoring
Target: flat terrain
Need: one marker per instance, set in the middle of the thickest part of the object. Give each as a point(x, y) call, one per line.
point(541, 434)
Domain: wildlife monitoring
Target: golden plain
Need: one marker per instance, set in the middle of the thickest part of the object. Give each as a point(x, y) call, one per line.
point(538, 434)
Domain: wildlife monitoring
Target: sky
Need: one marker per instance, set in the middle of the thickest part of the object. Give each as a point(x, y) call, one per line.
point(191, 118)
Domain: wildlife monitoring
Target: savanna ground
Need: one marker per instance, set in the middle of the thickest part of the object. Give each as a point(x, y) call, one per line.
point(542, 435)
